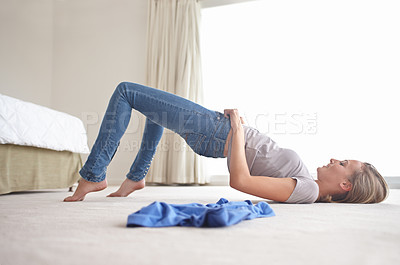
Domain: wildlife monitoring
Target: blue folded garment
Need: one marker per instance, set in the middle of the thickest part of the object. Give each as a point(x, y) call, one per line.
point(222, 213)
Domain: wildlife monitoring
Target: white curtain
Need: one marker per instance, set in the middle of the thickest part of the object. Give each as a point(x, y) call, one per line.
point(173, 65)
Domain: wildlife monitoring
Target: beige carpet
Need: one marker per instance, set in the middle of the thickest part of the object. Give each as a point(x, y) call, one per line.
point(38, 228)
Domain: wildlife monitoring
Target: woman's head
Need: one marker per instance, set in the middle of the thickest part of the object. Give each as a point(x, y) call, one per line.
point(352, 181)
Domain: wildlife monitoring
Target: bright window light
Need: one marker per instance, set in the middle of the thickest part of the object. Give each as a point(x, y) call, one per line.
point(319, 77)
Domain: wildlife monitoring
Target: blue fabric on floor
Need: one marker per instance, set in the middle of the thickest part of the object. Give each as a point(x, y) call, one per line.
point(222, 213)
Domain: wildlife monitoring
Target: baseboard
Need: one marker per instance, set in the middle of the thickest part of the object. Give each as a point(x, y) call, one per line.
point(393, 182)
point(219, 180)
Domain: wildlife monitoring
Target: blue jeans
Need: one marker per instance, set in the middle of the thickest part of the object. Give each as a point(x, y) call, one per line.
point(205, 131)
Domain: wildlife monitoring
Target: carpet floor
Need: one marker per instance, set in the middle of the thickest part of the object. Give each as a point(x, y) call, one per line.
point(38, 228)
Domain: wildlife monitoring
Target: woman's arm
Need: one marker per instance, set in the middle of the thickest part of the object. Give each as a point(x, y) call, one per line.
point(277, 189)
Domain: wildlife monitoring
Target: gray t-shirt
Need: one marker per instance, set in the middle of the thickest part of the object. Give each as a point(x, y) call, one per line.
point(265, 158)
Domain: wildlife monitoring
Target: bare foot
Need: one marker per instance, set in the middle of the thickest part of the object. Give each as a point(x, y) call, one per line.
point(84, 187)
point(127, 187)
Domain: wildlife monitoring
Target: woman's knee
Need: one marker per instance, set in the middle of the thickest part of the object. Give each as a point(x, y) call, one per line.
point(123, 87)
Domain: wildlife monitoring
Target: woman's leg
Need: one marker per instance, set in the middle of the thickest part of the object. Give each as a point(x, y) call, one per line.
point(204, 130)
point(135, 178)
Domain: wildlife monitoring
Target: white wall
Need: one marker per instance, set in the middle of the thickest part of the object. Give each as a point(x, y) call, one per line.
point(319, 77)
point(97, 44)
point(26, 42)
point(70, 55)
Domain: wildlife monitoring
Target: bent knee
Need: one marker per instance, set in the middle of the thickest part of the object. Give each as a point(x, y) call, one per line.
point(123, 86)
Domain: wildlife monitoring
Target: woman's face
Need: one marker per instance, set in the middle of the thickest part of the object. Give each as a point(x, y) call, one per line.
point(338, 170)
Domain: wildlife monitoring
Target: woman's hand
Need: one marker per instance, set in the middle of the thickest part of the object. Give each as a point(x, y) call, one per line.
point(233, 115)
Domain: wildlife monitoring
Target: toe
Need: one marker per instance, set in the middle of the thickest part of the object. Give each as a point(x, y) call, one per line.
point(73, 199)
point(114, 194)
point(68, 199)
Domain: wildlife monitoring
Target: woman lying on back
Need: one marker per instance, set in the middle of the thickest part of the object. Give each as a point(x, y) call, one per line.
point(257, 165)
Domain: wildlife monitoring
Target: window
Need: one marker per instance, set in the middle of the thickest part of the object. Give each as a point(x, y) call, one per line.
point(319, 77)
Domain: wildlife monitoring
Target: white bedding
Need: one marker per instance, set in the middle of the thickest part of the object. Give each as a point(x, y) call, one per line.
point(24, 123)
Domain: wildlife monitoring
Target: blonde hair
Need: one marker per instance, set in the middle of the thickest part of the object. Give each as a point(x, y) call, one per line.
point(368, 187)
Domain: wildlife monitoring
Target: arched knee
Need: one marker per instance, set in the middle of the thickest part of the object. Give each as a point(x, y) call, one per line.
point(125, 87)
point(122, 87)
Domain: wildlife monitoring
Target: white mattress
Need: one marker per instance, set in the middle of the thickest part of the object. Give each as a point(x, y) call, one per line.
point(24, 123)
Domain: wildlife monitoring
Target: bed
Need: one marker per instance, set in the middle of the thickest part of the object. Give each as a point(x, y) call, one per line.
point(40, 148)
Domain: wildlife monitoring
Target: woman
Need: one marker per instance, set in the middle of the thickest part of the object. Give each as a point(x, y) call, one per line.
point(257, 165)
